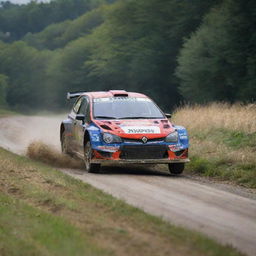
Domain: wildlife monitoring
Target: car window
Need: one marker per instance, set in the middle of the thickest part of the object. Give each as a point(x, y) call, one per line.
point(87, 113)
point(77, 105)
point(126, 108)
point(85, 109)
point(83, 106)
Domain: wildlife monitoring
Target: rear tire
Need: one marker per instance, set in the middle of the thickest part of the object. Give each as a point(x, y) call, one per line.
point(176, 168)
point(89, 167)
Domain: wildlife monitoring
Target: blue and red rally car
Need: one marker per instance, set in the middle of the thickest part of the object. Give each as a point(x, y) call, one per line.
point(122, 127)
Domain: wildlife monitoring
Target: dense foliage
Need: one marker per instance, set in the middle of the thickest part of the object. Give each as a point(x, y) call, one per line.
point(218, 61)
point(128, 44)
point(18, 20)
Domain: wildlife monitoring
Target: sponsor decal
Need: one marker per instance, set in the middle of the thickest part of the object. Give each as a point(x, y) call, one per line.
point(95, 137)
point(141, 129)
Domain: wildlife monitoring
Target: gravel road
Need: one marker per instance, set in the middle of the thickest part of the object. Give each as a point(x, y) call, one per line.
point(226, 213)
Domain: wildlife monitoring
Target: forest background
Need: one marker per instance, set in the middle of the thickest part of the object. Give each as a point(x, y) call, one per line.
point(175, 51)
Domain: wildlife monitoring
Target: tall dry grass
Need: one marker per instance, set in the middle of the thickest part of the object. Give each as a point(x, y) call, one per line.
point(213, 143)
point(237, 117)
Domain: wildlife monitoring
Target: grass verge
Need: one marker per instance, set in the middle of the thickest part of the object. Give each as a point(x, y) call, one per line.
point(27, 230)
point(6, 112)
point(223, 141)
point(46, 212)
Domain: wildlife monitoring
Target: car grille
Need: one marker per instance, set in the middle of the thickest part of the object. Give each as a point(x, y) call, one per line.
point(143, 152)
point(126, 140)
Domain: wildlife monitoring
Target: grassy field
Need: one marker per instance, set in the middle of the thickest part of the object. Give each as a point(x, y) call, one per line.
point(44, 212)
point(223, 141)
point(6, 112)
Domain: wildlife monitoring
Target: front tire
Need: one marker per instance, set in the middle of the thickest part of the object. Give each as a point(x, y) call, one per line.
point(89, 167)
point(176, 168)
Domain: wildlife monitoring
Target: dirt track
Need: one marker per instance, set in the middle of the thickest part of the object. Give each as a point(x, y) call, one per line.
point(229, 217)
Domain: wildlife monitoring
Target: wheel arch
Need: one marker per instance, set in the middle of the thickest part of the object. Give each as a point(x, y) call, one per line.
point(62, 129)
point(65, 127)
point(86, 137)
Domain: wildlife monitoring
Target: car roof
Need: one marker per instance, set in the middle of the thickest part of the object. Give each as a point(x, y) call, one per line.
point(114, 93)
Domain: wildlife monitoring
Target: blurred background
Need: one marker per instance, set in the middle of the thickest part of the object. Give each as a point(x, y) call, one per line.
point(186, 51)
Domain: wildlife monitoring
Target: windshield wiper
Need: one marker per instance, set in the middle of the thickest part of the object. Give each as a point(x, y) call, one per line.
point(105, 117)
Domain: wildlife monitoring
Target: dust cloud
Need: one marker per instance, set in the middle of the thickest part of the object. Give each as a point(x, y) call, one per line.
point(49, 155)
point(37, 137)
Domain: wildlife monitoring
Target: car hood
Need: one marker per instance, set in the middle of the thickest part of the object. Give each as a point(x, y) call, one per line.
point(152, 128)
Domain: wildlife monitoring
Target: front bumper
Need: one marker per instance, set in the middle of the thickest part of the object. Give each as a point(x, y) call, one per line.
point(138, 161)
point(150, 154)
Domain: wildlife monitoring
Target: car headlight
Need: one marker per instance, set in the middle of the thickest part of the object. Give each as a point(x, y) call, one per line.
point(172, 137)
point(111, 138)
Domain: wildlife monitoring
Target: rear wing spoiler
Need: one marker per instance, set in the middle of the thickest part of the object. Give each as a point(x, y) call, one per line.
point(71, 95)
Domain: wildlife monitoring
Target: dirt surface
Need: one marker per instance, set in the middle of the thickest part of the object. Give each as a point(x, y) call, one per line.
point(224, 212)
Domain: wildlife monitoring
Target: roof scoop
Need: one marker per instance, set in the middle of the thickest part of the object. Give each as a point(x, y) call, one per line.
point(119, 93)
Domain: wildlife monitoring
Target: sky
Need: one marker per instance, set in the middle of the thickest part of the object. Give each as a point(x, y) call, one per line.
point(23, 1)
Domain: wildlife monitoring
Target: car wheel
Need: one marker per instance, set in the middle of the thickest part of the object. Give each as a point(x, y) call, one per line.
point(176, 168)
point(89, 167)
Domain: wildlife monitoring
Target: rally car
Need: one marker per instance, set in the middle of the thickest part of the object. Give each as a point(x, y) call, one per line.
point(122, 127)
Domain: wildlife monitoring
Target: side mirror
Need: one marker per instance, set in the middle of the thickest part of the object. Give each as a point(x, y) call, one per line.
point(80, 117)
point(168, 115)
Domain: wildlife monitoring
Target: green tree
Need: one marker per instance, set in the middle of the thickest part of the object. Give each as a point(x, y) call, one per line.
point(3, 89)
point(136, 47)
point(60, 34)
point(218, 61)
point(25, 67)
point(33, 17)
point(130, 45)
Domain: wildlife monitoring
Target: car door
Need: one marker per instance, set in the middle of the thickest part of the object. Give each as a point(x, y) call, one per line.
point(72, 118)
point(81, 125)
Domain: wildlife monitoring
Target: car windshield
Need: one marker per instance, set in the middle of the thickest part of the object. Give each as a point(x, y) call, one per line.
point(125, 108)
